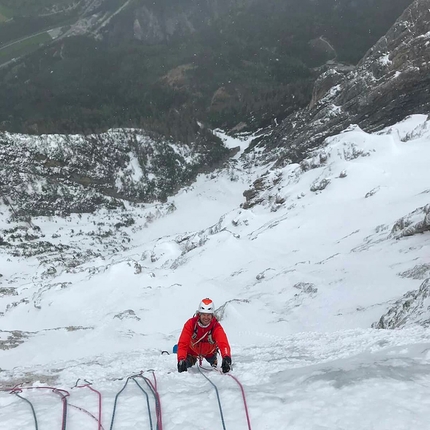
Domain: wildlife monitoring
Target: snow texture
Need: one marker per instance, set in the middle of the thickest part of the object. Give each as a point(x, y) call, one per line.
point(298, 280)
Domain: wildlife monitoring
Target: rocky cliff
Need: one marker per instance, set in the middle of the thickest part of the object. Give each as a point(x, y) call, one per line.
point(390, 82)
point(156, 22)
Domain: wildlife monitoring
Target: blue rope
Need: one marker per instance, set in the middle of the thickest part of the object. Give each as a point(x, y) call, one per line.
point(147, 402)
point(32, 409)
point(118, 394)
point(217, 395)
point(116, 400)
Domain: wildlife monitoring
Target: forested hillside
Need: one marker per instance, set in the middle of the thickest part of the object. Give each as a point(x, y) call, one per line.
point(254, 64)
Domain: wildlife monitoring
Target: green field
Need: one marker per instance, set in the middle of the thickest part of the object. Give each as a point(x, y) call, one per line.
point(24, 47)
point(5, 13)
point(10, 8)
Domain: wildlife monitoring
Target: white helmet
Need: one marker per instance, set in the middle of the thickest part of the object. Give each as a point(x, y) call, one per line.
point(206, 306)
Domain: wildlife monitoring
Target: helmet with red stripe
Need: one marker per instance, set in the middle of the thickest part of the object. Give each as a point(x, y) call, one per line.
point(206, 306)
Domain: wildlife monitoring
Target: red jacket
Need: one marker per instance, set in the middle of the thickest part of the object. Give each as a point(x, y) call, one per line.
point(202, 341)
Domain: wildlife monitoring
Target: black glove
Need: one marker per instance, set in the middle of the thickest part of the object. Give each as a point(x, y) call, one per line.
point(182, 366)
point(226, 364)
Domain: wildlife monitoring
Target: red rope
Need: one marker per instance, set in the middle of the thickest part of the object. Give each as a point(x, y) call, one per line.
point(64, 400)
point(86, 412)
point(159, 419)
point(153, 385)
point(244, 399)
point(88, 385)
point(62, 393)
point(241, 389)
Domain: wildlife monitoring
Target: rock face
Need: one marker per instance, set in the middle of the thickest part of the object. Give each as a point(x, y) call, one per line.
point(412, 308)
point(161, 21)
point(390, 82)
point(416, 222)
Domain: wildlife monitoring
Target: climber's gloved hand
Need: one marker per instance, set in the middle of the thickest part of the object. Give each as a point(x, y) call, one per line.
point(226, 364)
point(182, 366)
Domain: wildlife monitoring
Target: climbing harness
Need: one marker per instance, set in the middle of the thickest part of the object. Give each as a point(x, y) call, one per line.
point(208, 334)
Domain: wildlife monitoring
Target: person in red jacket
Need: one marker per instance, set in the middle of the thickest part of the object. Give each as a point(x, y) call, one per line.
point(203, 336)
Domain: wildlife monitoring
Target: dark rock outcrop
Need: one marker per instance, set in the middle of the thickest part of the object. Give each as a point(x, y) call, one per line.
point(390, 82)
point(412, 308)
point(416, 222)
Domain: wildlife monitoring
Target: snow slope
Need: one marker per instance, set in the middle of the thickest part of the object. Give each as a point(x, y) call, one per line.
point(299, 280)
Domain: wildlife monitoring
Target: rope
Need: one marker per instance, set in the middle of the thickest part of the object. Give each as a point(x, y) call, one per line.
point(155, 397)
point(64, 400)
point(153, 387)
point(217, 395)
point(86, 412)
point(244, 399)
point(32, 409)
point(241, 389)
point(118, 394)
point(159, 400)
point(116, 400)
point(147, 402)
point(88, 385)
point(62, 393)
